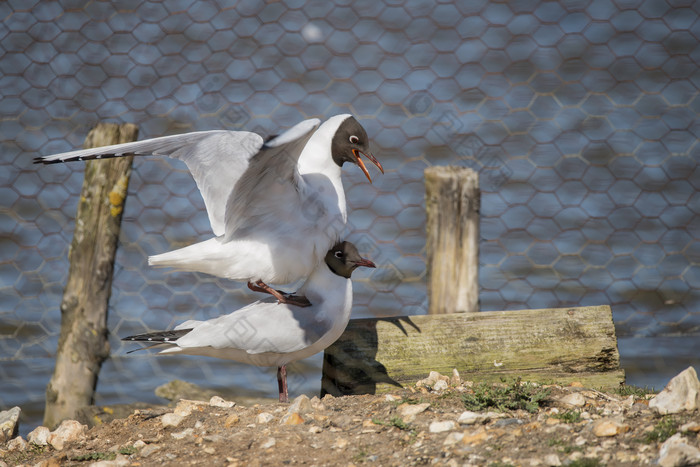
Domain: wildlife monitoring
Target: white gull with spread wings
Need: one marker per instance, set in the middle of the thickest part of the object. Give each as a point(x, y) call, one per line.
point(275, 207)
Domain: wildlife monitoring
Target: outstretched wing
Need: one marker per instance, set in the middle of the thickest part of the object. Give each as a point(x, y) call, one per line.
point(269, 186)
point(216, 159)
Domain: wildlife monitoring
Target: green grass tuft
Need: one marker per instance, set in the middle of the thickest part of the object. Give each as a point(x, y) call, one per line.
point(395, 421)
point(517, 395)
point(95, 456)
point(586, 462)
point(127, 451)
point(625, 390)
point(663, 430)
point(570, 416)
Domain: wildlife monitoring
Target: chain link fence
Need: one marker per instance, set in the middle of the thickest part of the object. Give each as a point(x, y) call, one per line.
point(581, 117)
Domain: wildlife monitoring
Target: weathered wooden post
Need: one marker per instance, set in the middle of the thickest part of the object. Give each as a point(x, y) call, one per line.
point(83, 345)
point(452, 201)
point(559, 345)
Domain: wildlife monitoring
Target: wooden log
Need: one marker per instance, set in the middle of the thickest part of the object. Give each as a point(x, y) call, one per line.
point(452, 201)
point(558, 345)
point(83, 345)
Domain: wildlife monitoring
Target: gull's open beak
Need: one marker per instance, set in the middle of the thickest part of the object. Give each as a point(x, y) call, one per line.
point(356, 153)
point(365, 262)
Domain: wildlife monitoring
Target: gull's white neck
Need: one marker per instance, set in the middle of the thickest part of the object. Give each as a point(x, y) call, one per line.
point(326, 288)
point(316, 159)
point(315, 156)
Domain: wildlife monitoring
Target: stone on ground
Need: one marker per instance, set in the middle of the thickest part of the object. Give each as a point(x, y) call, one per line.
point(468, 418)
point(120, 460)
point(609, 427)
point(429, 382)
point(408, 412)
point(300, 405)
point(676, 453)
point(17, 444)
point(551, 460)
point(264, 417)
point(186, 433)
point(67, 432)
point(8, 423)
point(268, 443)
point(172, 419)
point(185, 407)
point(680, 394)
point(39, 436)
point(218, 401)
point(291, 419)
point(575, 399)
point(439, 427)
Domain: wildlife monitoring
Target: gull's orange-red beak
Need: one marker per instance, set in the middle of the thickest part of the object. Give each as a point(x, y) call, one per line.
point(365, 262)
point(371, 158)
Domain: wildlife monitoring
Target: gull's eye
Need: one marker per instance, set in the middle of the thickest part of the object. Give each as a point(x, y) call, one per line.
point(338, 254)
point(354, 139)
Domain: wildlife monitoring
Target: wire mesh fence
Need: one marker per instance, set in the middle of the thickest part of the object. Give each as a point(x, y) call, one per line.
point(580, 116)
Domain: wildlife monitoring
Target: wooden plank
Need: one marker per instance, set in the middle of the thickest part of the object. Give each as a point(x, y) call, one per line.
point(551, 345)
point(83, 345)
point(452, 201)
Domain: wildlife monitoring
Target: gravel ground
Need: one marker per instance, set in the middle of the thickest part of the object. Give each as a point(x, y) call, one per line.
point(444, 423)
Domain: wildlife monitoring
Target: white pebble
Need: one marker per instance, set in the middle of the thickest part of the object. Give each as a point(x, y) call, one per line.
point(264, 417)
point(453, 438)
point(183, 434)
point(439, 427)
point(440, 385)
point(269, 442)
point(171, 419)
point(300, 405)
point(468, 418)
point(40, 436)
point(17, 444)
point(574, 399)
point(217, 401)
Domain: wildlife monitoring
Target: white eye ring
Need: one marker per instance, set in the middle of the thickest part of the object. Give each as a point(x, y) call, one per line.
point(338, 254)
point(354, 139)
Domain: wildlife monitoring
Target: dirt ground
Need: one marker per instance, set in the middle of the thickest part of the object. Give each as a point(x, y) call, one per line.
point(415, 426)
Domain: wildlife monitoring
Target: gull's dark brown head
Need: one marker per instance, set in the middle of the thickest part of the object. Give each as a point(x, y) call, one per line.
point(349, 142)
point(344, 258)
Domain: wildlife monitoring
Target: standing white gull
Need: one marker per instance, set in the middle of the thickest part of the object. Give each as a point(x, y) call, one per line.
point(266, 333)
point(275, 207)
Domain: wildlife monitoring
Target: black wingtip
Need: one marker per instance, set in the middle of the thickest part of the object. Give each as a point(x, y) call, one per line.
point(270, 138)
point(160, 337)
point(92, 157)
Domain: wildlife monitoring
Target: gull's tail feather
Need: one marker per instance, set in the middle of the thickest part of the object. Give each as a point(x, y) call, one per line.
point(201, 257)
point(157, 345)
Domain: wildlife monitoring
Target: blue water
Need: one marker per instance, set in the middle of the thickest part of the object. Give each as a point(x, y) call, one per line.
point(582, 124)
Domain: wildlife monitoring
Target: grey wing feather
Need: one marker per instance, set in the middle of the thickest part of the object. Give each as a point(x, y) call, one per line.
point(250, 329)
point(271, 176)
point(216, 159)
